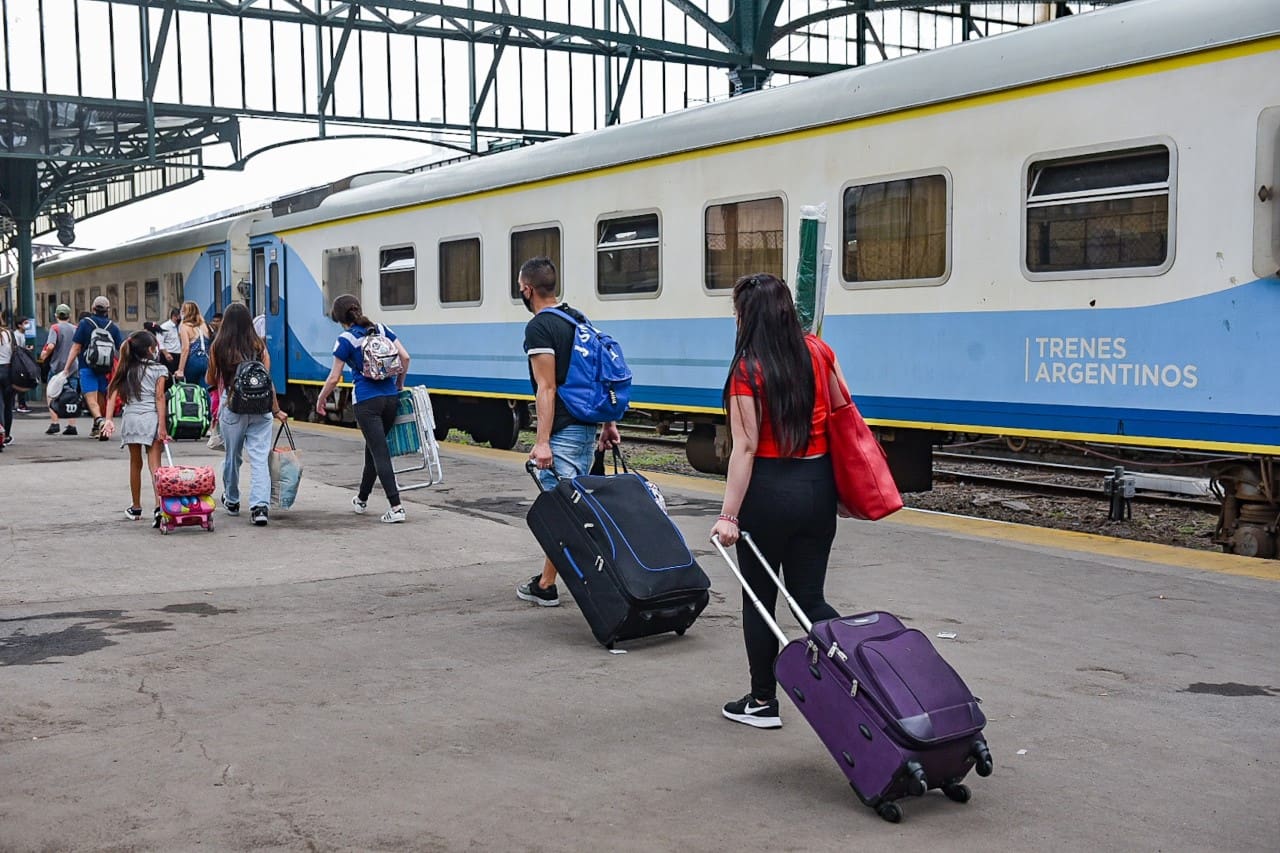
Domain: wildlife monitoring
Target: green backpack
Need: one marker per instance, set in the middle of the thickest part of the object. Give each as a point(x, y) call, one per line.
point(187, 407)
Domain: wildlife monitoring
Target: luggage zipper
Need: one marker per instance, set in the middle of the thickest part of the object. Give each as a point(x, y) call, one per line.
point(835, 650)
point(599, 563)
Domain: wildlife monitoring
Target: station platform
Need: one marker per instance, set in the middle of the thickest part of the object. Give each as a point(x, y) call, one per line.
point(332, 683)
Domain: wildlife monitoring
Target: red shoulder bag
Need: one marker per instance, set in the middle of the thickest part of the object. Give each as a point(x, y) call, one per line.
point(864, 483)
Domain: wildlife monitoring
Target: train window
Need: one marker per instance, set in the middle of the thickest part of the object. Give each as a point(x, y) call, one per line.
point(151, 300)
point(460, 271)
point(94, 293)
point(741, 238)
point(131, 301)
point(273, 289)
point(79, 305)
point(218, 301)
point(1099, 211)
point(1266, 195)
point(255, 296)
point(113, 294)
point(627, 255)
point(341, 273)
point(397, 277)
point(896, 231)
point(534, 243)
point(65, 298)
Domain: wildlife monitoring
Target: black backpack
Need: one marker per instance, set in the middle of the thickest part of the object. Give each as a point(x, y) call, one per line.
point(24, 373)
point(251, 389)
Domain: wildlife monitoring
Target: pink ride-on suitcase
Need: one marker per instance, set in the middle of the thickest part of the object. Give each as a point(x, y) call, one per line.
point(893, 714)
point(186, 495)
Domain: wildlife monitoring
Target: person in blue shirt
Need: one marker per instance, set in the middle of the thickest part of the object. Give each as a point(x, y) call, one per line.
point(93, 383)
point(376, 401)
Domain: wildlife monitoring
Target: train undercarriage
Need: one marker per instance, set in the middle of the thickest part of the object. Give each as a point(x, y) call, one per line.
point(1247, 488)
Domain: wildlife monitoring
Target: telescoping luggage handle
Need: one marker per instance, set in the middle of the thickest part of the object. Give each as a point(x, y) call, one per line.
point(619, 461)
point(751, 594)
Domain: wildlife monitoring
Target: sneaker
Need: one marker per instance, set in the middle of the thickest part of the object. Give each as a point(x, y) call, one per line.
point(133, 513)
point(259, 515)
point(71, 430)
point(97, 428)
point(358, 505)
point(751, 713)
point(232, 508)
point(8, 440)
point(54, 429)
point(155, 519)
point(533, 591)
point(23, 410)
point(395, 515)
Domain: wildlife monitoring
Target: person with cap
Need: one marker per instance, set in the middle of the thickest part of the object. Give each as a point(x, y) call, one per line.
point(93, 381)
point(170, 340)
point(57, 348)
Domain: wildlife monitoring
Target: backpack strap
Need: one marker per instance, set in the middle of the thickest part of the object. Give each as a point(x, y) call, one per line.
point(560, 312)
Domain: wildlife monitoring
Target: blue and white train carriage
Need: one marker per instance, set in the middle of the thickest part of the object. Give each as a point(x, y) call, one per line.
point(1068, 231)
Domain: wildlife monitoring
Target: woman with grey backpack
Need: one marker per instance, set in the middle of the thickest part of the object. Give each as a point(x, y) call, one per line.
point(379, 364)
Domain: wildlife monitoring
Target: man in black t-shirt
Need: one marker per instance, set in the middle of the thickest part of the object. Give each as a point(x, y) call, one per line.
point(563, 445)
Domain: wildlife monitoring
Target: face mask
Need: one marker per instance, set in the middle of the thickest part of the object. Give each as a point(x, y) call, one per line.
point(528, 303)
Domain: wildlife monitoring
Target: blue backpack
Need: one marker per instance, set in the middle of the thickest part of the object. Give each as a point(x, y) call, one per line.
point(597, 387)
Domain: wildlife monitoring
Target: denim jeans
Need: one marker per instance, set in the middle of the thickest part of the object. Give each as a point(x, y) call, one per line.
point(573, 449)
point(252, 435)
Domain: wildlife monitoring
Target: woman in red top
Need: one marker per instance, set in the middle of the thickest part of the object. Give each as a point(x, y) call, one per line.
point(780, 485)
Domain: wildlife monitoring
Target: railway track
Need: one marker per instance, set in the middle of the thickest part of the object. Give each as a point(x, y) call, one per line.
point(1039, 484)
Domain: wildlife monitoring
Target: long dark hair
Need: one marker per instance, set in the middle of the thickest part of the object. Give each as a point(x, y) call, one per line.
point(236, 341)
point(347, 311)
point(773, 358)
point(135, 358)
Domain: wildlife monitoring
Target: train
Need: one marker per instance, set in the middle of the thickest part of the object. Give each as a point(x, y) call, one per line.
point(1065, 232)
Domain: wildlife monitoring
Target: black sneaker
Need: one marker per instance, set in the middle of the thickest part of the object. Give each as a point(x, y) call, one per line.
point(71, 430)
point(230, 507)
point(97, 428)
point(156, 519)
point(259, 515)
point(133, 513)
point(532, 591)
point(53, 429)
point(751, 713)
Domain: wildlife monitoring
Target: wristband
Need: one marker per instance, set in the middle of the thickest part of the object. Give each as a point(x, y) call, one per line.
point(732, 519)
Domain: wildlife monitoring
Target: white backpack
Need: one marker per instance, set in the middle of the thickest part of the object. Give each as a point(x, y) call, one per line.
point(101, 352)
point(381, 356)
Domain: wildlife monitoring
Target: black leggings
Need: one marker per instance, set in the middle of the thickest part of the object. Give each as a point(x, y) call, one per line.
point(375, 417)
point(6, 400)
point(790, 512)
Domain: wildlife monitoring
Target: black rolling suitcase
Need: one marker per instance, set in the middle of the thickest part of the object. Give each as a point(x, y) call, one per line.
point(625, 563)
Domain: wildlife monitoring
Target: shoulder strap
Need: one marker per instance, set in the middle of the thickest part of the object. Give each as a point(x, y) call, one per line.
point(559, 312)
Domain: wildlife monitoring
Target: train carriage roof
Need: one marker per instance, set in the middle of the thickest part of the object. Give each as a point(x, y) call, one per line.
point(182, 240)
point(1128, 34)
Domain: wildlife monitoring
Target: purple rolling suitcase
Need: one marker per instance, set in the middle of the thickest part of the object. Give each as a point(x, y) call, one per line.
point(894, 715)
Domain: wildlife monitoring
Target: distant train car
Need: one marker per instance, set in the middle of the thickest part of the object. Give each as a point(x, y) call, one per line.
point(207, 264)
point(1069, 231)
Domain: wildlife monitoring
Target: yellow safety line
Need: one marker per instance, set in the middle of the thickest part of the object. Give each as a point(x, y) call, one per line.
point(1044, 537)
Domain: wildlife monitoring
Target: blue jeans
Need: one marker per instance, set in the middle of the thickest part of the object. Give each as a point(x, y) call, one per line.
point(252, 435)
point(573, 449)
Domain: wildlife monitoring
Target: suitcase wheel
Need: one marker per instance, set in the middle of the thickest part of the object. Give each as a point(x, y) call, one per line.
point(890, 812)
point(957, 792)
point(982, 759)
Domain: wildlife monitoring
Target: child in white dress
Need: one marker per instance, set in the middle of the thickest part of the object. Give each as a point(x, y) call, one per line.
point(140, 380)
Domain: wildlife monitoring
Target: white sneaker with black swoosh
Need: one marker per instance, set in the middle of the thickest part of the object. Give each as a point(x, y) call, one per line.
point(749, 712)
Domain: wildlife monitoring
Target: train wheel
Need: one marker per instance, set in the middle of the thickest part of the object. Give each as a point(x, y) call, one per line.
point(504, 432)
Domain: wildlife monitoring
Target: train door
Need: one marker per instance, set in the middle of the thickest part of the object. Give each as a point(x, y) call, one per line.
point(1266, 201)
point(218, 279)
point(266, 300)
